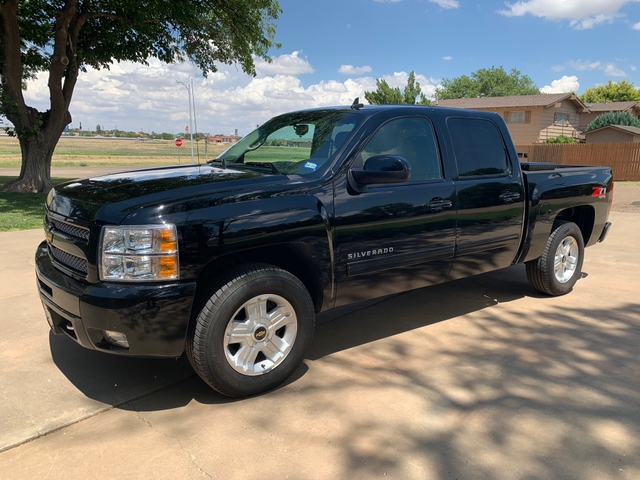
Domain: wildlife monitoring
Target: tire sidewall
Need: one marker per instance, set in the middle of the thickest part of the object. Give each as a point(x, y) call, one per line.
point(560, 234)
point(221, 313)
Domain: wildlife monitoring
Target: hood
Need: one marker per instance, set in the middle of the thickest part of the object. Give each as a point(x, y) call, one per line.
point(110, 198)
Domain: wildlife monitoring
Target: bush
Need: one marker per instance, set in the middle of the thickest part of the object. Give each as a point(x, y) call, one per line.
point(561, 139)
point(613, 118)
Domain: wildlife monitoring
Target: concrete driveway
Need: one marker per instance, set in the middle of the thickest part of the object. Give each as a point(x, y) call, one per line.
point(479, 378)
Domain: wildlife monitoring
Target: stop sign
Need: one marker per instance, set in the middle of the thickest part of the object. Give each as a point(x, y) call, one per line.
point(178, 142)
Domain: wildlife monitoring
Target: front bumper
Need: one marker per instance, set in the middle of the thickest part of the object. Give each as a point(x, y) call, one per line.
point(154, 317)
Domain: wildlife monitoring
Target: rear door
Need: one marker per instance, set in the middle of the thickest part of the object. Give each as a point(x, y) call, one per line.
point(489, 196)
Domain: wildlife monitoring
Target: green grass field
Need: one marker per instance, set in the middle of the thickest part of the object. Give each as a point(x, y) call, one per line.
point(22, 211)
point(84, 152)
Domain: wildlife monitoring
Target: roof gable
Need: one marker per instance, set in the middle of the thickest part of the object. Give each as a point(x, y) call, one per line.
point(623, 128)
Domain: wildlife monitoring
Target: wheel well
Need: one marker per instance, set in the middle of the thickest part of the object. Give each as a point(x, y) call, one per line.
point(292, 258)
point(583, 216)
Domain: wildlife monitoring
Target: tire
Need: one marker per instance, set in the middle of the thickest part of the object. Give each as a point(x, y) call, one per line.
point(252, 332)
point(558, 269)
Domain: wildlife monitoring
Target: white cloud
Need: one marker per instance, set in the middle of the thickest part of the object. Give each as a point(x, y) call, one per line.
point(351, 70)
point(283, 65)
point(609, 69)
point(562, 85)
point(448, 57)
point(387, 1)
point(134, 97)
point(446, 3)
point(632, 67)
point(612, 71)
point(586, 65)
point(582, 14)
point(636, 26)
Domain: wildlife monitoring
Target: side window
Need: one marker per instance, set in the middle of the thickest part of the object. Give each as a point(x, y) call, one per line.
point(412, 138)
point(478, 147)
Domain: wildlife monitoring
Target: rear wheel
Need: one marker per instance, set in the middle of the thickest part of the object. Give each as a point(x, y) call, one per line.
point(252, 332)
point(559, 267)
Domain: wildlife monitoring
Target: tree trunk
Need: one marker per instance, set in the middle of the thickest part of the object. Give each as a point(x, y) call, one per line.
point(35, 173)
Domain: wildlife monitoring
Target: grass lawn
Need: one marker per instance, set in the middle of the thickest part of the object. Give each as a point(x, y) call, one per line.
point(22, 211)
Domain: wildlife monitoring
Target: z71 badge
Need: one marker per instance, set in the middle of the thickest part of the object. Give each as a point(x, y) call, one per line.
point(369, 253)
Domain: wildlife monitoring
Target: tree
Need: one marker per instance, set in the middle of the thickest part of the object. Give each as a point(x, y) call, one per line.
point(98, 129)
point(64, 37)
point(487, 82)
point(622, 91)
point(613, 118)
point(385, 95)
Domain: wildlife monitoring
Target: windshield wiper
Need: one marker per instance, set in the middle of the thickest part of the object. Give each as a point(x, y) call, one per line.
point(246, 165)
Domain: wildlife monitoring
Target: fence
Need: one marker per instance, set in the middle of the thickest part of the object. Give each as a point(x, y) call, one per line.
point(623, 158)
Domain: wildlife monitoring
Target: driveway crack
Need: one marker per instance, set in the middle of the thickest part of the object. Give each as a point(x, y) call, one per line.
point(191, 457)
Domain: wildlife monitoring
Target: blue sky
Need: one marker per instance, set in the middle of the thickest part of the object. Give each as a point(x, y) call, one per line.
point(332, 51)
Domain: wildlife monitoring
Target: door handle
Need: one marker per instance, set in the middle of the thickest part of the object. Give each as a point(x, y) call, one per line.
point(509, 197)
point(438, 204)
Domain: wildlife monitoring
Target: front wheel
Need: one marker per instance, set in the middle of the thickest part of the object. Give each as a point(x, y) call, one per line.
point(253, 331)
point(558, 269)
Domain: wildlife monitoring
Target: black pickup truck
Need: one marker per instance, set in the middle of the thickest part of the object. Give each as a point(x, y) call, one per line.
point(231, 260)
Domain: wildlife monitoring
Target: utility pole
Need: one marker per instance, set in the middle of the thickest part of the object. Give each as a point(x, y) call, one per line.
point(189, 89)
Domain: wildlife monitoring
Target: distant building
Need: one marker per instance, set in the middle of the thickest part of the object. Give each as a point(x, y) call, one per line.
point(613, 133)
point(223, 138)
point(592, 110)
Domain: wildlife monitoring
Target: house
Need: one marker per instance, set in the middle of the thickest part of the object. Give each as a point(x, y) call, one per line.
point(613, 133)
point(592, 110)
point(531, 118)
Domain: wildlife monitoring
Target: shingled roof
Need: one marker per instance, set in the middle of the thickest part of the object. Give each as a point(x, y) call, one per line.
point(541, 100)
point(610, 106)
point(624, 128)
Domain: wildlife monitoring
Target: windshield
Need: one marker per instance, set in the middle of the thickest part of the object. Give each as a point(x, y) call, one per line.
point(302, 143)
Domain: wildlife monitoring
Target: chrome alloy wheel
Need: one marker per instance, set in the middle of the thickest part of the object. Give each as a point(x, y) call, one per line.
point(260, 334)
point(566, 259)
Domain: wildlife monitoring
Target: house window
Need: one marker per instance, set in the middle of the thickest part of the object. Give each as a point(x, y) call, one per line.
point(523, 116)
point(516, 117)
point(562, 118)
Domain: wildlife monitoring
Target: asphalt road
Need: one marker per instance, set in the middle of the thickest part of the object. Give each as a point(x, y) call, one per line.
point(479, 378)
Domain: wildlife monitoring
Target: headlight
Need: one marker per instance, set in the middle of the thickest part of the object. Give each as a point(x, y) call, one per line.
point(139, 253)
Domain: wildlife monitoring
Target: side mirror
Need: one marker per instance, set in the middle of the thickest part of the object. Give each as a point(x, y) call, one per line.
point(381, 169)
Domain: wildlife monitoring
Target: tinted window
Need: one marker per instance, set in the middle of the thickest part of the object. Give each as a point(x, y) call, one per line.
point(303, 143)
point(411, 138)
point(478, 147)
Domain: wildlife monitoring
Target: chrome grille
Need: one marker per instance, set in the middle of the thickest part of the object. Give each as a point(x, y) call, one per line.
point(72, 230)
point(72, 262)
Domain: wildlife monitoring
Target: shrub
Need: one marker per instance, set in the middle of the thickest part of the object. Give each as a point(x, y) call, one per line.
point(561, 139)
point(613, 118)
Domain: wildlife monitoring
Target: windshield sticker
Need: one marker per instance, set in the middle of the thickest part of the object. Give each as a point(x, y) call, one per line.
point(311, 165)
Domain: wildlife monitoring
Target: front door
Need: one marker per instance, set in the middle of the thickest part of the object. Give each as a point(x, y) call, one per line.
point(395, 237)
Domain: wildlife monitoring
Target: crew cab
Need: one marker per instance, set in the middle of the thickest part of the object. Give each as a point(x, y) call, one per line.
point(231, 260)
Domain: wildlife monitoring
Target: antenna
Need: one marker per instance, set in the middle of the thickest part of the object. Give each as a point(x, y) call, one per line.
point(356, 105)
